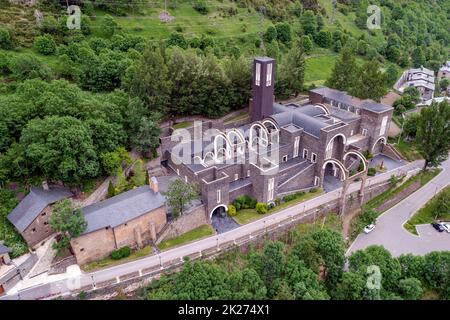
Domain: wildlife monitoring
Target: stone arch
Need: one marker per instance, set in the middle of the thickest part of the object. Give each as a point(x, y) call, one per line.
point(218, 149)
point(378, 140)
point(330, 145)
point(263, 131)
point(323, 107)
point(359, 155)
point(270, 121)
point(337, 163)
point(209, 155)
point(240, 144)
point(274, 135)
point(217, 207)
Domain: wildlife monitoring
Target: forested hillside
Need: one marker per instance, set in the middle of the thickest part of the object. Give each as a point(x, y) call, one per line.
point(70, 98)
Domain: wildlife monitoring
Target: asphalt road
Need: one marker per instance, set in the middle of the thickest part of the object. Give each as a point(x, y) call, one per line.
point(65, 285)
point(389, 231)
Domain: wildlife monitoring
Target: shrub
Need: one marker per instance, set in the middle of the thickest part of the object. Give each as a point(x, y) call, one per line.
point(3, 63)
point(231, 210)
point(27, 66)
point(244, 202)
point(368, 155)
point(293, 196)
point(393, 180)
point(177, 39)
point(121, 253)
point(5, 39)
point(270, 35)
point(45, 44)
point(371, 172)
point(200, 6)
point(313, 190)
point(261, 208)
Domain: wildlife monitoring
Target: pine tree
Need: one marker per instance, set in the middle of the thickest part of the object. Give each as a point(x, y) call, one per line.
point(292, 73)
point(343, 76)
point(371, 82)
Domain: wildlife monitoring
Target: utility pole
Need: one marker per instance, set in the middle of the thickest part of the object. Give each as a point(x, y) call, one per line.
point(262, 12)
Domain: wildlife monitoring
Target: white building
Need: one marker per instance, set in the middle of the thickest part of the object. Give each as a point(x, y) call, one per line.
point(421, 78)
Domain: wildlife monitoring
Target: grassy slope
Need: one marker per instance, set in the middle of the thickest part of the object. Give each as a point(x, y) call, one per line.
point(216, 24)
point(196, 234)
point(427, 214)
point(147, 22)
point(248, 215)
point(108, 262)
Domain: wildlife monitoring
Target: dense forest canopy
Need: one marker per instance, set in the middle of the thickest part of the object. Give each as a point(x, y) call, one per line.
point(307, 267)
point(102, 82)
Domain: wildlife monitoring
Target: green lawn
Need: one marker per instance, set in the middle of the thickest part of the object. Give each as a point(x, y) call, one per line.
point(248, 215)
point(408, 150)
point(318, 68)
point(192, 23)
point(196, 234)
point(331, 221)
point(424, 177)
point(108, 262)
point(183, 125)
point(428, 213)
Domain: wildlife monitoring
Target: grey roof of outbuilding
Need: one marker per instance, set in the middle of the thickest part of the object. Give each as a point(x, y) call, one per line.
point(122, 208)
point(4, 249)
point(33, 204)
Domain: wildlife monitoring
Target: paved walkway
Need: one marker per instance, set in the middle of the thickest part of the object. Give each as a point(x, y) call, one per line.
point(63, 284)
point(389, 231)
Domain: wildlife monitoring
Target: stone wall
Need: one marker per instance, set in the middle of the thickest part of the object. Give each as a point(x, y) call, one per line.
point(190, 220)
point(134, 233)
point(12, 277)
point(39, 229)
point(279, 231)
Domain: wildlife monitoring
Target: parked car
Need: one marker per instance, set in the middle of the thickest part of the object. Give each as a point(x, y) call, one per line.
point(446, 226)
point(369, 228)
point(438, 226)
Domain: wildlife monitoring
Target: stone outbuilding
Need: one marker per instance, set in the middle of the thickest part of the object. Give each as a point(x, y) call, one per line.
point(4, 255)
point(132, 219)
point(32, 215)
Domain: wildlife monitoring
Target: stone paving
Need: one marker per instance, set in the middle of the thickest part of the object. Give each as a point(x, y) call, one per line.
point(388, 163)
point(223, 224)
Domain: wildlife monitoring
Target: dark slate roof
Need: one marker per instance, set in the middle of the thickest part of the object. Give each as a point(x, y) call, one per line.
point(375, 106)
point(310, 110)
point(345, 98)
point(4, 249)
point(285, 115)
point(122, 208)
point(33, 204)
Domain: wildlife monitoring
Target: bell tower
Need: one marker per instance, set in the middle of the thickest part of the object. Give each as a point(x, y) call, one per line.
point(263, 88)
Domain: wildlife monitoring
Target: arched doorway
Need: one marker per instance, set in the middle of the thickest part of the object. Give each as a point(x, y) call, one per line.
point(333, 175)
point(378, 146)
point(335, 147)
point(220, 220)
point(221, 210)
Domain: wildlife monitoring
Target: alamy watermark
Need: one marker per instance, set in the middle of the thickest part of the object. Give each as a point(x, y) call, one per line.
point(374, 20)
point(374, 278)
point(74, 18)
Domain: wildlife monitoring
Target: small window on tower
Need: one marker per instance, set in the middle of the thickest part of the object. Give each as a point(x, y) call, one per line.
point(269, 75)
point(258, 74)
